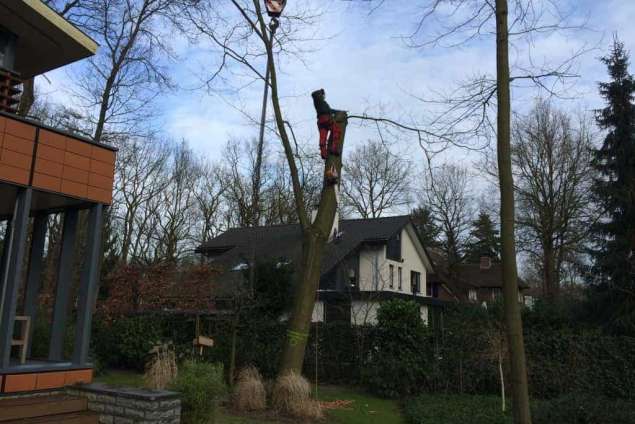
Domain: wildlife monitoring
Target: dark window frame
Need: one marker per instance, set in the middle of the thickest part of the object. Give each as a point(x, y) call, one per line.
point(415, 281)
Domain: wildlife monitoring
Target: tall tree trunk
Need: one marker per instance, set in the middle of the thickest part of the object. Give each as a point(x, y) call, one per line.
point(27, 98)
point(513, 319)
point(314, 239)
point(550, 281)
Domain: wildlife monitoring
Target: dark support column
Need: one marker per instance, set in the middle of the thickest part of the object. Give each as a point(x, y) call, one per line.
point(34, 277)
point(64, 280)
point(12, 272)
point(88, 286)
point(6, 245)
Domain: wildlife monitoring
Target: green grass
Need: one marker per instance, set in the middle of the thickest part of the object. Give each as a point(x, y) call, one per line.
point(365, 409)
point(121, 378)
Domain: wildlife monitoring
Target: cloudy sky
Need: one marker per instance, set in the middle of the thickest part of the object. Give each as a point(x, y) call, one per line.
point(360, 55)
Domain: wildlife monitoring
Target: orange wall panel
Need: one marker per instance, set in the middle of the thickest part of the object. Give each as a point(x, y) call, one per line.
point(47, 182)
point(75, 175)
point(99, 181)
point(20, 129)
point(50, 153)
point(102, 168)
point(73, 189)
point(17, 144)
point(78, 147)
point(43, 166)
point(14, 175)
point(76, 161)
point(17, 160)
point(52, 139)
point(78, 376)
point(103, 155)
point(99, 195)
point(50, 380)
point(19, 382)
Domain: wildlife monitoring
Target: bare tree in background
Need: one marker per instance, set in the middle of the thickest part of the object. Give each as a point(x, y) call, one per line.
point(375, 181)
point(447, 196)
point(469, 117)
point(128, 72)
point(139, 180)
point(208, 193)
point(552, 169)
point(176, 217)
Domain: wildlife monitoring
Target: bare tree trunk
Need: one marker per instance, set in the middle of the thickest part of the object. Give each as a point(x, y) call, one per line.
point(314, 239)
point(27, 98)
point(513, 319)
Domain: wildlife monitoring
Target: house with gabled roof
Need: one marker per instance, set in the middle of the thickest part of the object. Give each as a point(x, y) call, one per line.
point(365, 262)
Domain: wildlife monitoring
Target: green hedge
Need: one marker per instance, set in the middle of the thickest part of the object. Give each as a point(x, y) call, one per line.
point(455, 409)
point(561, 358)
point(583, 409)
point(473, 409)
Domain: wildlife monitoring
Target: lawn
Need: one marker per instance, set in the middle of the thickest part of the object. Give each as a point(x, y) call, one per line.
point(354, 406)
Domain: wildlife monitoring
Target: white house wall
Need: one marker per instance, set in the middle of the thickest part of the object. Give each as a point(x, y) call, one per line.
point(364, 312)
point(372, 258)
point(318, 312)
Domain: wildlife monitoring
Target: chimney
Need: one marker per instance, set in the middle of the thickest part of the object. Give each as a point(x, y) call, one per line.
point(486, 262)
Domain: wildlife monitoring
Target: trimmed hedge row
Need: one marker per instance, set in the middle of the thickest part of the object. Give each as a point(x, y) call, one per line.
point(473, 409)
point(560, 359)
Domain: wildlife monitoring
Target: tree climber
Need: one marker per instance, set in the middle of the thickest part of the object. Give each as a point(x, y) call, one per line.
point(329, 131)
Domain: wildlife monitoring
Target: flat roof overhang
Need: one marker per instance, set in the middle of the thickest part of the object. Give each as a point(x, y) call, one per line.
point(46, 41)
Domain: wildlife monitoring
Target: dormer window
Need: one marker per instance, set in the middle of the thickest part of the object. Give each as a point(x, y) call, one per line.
point(393, 248)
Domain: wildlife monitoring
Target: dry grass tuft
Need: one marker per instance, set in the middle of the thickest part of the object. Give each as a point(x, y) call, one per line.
point(249, 391)
point(291, 395)
point(161, 370)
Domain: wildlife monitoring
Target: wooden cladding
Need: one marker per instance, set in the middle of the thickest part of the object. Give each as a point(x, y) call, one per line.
point(12, 383)
point(55, 162)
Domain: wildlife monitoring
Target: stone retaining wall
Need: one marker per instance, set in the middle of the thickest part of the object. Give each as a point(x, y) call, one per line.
point(118, 405)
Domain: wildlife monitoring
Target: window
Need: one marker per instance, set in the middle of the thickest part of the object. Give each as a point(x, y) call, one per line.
point(399, 279)
point(472, 295)
point(496, 293)
point(432, 290)
point(391, 269)
point(393, 248)
point(415, 281)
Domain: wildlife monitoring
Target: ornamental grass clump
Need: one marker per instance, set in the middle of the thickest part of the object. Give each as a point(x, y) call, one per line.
point(291, 395)
point(249, 391)
point(161, 370)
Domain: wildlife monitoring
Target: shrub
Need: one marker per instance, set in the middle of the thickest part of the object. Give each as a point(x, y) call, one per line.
point(455, 409)
point(400, 358)
point(291, 395)
point(125, 342)
point(161, 370)
point(583, 409)
point(249, 392)
point(200, 384)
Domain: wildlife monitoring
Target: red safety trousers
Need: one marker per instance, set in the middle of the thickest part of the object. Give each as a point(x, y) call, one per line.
point(324, 126)
point(330, 133)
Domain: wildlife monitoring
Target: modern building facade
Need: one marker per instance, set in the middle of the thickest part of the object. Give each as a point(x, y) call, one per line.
point(45, 171)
